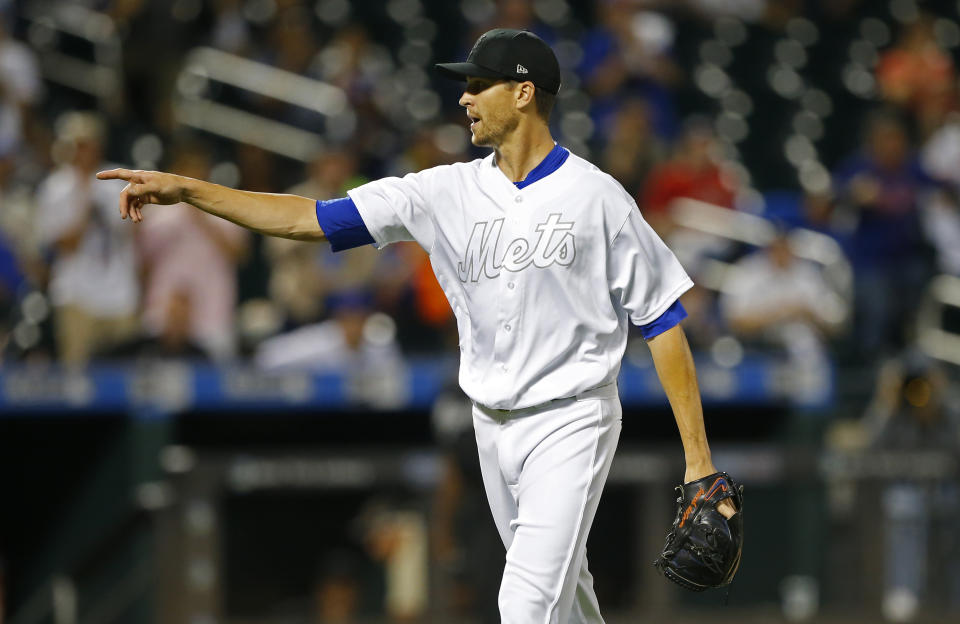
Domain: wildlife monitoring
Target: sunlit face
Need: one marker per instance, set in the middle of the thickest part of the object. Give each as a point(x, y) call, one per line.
point(492, 110)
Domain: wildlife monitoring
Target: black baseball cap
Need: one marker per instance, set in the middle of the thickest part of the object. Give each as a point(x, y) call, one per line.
point(508, 53)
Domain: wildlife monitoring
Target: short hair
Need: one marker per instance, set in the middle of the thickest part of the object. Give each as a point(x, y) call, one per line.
point(544, 101)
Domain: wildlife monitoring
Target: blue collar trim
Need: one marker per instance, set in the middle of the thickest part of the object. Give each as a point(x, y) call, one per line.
point(556, 157)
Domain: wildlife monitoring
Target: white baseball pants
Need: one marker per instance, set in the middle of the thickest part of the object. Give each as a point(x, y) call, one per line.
point(544, 469)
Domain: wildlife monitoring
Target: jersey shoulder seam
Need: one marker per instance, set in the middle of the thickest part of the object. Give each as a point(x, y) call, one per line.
point(630, 204)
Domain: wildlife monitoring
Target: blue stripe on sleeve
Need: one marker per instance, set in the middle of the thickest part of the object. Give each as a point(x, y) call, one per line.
point(341, 224)
point(672, 317)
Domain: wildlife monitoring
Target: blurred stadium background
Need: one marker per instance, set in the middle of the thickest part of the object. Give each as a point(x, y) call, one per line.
point(201, 426)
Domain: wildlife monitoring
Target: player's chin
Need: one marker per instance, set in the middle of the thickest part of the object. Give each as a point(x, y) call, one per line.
point(480, 139)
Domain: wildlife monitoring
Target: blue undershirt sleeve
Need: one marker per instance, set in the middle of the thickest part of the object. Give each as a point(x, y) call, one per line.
point(341, 224)
point(671, 317)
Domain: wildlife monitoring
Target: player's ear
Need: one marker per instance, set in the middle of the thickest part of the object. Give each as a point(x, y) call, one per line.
point(524, 94)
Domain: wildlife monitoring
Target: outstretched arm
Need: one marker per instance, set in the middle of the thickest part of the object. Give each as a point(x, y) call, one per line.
point(674, 364)
point(287, 216)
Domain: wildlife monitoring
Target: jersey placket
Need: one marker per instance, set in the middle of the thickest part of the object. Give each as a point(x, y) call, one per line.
point(510, 285)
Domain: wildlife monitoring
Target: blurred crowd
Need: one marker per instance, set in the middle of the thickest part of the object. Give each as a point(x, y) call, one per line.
point(801, 157)
point(77, 284)
point(80, 285)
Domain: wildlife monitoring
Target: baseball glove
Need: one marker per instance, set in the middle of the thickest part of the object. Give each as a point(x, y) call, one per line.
point(703, 547)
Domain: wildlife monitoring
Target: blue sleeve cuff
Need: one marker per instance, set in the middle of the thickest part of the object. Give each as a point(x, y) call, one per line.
point(341, 224)
point(672, 317)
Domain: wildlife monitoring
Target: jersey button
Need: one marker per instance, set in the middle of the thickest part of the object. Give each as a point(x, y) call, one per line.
point(511, 286)
point(518, 199)
point(506, 327)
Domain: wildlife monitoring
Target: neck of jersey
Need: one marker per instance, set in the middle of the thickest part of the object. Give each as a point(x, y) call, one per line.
point(556, 157)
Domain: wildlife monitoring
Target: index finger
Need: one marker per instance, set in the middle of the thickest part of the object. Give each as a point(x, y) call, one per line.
point(116, 174)
point(727, 508)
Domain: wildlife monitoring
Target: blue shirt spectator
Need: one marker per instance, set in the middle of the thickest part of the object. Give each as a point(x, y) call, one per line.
point(884, 186)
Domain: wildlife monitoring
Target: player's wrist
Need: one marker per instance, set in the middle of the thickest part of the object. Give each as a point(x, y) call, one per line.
point(189, 190)
point(698, 470)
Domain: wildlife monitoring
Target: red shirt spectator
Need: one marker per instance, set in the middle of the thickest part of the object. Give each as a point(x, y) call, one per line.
point(677, 179)
point(918, 75)
point(692, 173)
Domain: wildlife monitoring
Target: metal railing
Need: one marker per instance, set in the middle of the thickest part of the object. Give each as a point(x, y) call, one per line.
point(99, 76)
point(196, 107)
point(934, 338)
point(755, 230)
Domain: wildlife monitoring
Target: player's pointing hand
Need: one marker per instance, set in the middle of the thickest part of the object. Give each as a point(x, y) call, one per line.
point(145, 187)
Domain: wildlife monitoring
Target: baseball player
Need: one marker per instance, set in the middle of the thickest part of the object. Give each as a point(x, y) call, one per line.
point(545, 260)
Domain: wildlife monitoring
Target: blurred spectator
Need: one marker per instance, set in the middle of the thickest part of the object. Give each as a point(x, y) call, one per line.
point(703, 325)
point(11, 280)
point(260, 171)
point(941, 215)
point(917, 74)
point(18, 257)
point(399, 285)
point(364, 69)
point(910, 406)
point(433, 312)
point(355, 63)
point(292, 46)
point(292, 42)
point(911, 412)
point(20, 89)
point(171, 340)
point(883, 186)
point(692, 173)
point(627, 54)
point(354, 342)
point(464, 541)
point(396, 536)
point(771, 289)
point(774, 298)
point(818, 212)
point(258, 168)
point(303, 275)
point(17, 215)
point(145, 28)
point(331, 174)
point(518, 14)
point(631, 148)
point(93, 277)
point(184, 249)
point(424, 150)
point(336, 590)
point(230, 31)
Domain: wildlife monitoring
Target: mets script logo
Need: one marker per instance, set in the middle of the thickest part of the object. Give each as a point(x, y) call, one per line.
point(485, 256)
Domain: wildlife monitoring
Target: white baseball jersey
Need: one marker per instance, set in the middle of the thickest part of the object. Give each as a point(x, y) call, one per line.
point(542, 280)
